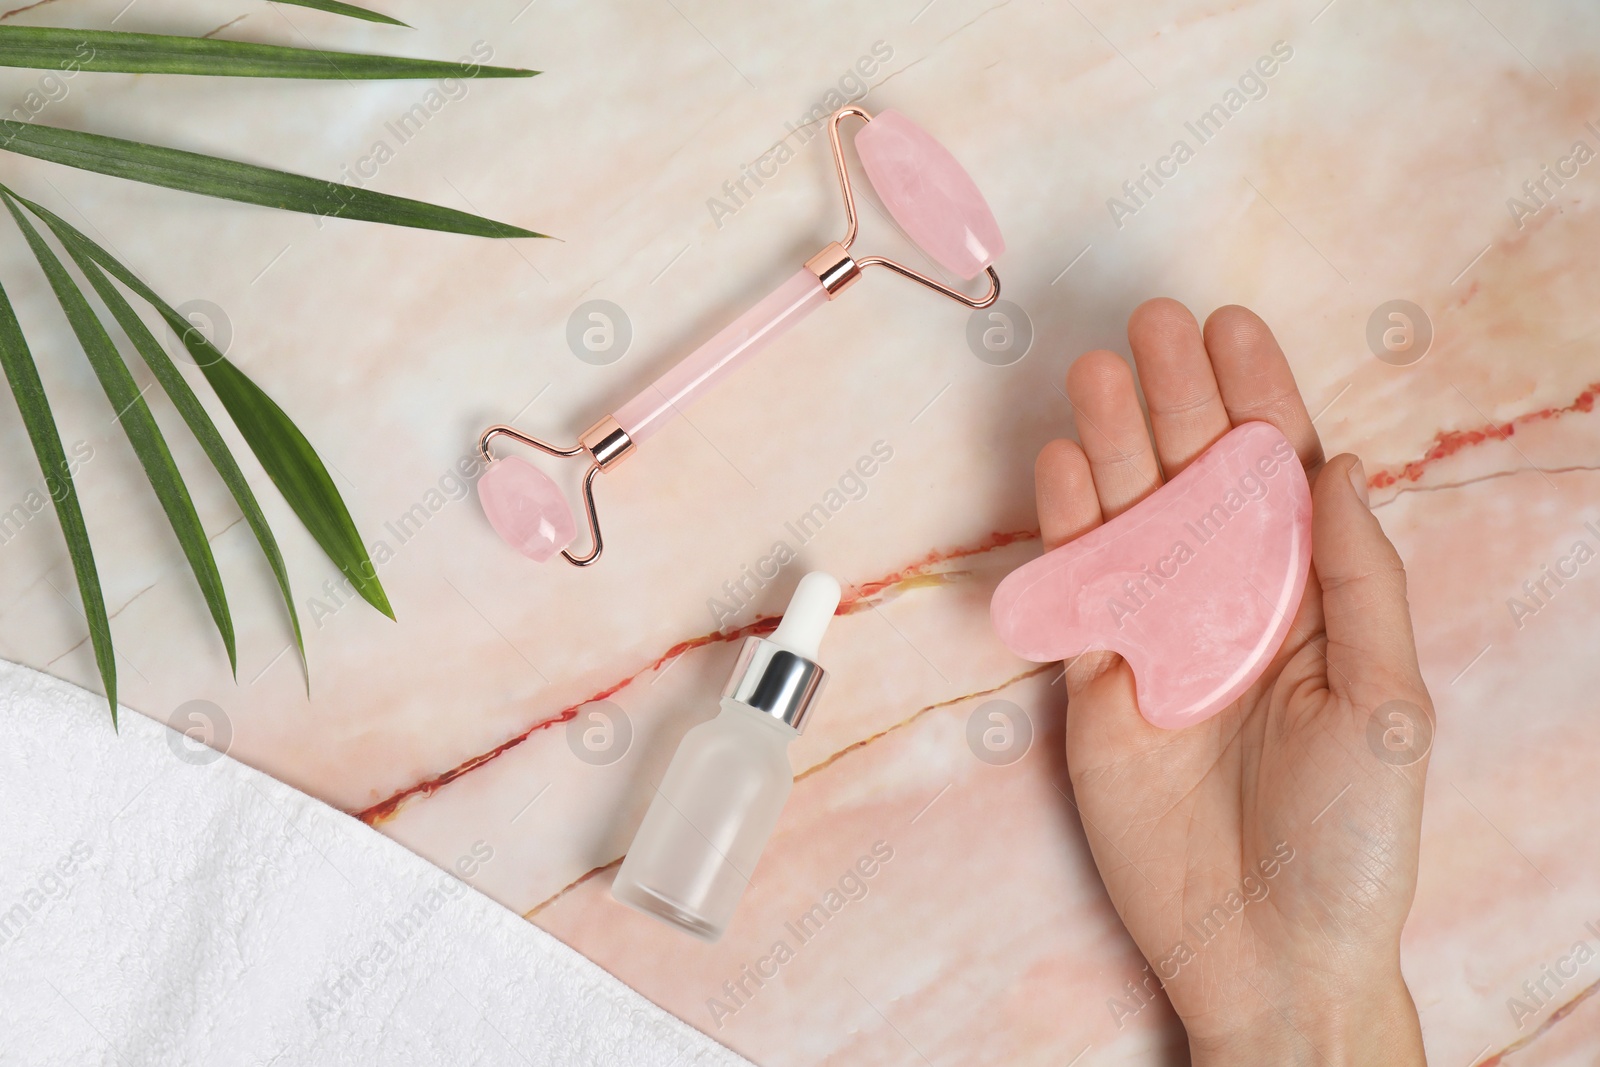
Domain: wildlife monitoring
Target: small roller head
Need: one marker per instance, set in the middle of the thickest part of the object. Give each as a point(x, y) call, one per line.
point(526, 508)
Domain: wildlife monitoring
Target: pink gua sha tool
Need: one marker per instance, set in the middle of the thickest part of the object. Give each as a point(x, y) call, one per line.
point(927, 192)
point(1195, 586)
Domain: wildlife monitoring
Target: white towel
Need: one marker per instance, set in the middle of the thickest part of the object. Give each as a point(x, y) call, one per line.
point(161, 904)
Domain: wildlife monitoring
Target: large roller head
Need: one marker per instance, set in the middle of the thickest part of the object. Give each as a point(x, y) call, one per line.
point(930, 195)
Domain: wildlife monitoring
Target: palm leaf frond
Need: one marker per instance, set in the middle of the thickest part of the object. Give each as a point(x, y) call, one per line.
point(140, 427)
point(183, 399)
point(337, 8)
point(291, 463)
point(121, 52)
point(23, 377)
point(228, 179)
point(283, 450)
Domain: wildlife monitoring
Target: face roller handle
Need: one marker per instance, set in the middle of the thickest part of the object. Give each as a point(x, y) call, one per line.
point(707, 365)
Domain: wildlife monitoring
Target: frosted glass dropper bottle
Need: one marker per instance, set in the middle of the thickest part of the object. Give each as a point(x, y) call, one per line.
point(726, 785)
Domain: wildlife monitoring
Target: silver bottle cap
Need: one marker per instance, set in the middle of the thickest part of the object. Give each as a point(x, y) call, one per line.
point(775, 681)
point(779, 675)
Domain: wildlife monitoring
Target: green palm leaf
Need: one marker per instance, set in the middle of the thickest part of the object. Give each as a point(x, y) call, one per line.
point(116, 51)
point(139, 425)
point(183, 398)
point(23, 377)
point(352, 10)
point(230, 180)
point(283, 450)
point(292, 464)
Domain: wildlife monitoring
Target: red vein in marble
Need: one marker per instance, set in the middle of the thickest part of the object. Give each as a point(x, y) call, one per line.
point(919, 713)
point(28, 7)
point(1447, 443)
point(1556, 1016)
point(821, 765)
point(570, 886)
point(857, 597)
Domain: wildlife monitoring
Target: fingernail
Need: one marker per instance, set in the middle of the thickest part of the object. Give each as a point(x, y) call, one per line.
point(1358, 481)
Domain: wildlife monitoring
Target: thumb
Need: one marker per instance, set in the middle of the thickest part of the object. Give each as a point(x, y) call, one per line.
point(1372, 655)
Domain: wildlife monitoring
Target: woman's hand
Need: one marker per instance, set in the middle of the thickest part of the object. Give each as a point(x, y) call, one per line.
point(1264, 860)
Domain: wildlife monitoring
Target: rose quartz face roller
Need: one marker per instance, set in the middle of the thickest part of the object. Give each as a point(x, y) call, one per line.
point(1195, 586)
point(932, 199)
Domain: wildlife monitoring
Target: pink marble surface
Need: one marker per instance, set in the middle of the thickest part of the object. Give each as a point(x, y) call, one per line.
point(1374, 164)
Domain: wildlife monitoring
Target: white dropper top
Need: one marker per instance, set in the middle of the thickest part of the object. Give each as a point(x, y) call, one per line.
point(806, 618)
